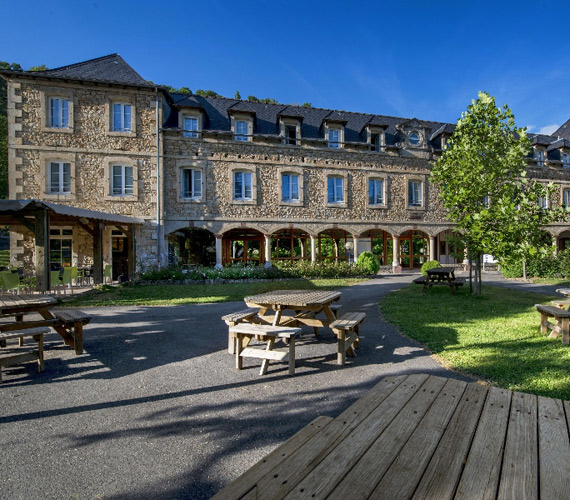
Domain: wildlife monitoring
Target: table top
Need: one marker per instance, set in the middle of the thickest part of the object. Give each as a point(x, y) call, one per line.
point(564, 291)
point(441, 270)
point(299, 298)
point(427, 437)
point(22, 303)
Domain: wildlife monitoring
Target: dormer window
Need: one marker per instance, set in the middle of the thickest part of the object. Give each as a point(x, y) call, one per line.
point(291, 134)
point(334, 138)
point(414, 139)
point(565, 160)
point(242, 131)
point(376, 142)
point(190, 126)
point(539, 157)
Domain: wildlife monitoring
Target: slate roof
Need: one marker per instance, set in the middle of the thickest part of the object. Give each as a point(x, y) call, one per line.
point(559, 143)
point(107, 69)
point(563, 131)
point(541, 139)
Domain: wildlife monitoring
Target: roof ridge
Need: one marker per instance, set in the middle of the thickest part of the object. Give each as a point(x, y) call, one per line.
point(81, 63)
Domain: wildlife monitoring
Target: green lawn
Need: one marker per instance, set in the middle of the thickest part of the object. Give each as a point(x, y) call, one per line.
point(495, 337)
point(159, 295)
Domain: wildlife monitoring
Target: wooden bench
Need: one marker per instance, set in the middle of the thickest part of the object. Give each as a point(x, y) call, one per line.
point(562, 303)
point(73, 321)
point(335, 308)
point(264, 333)
point(235, 318)
point(10, 356)
point(560, 315)
point(348, 324)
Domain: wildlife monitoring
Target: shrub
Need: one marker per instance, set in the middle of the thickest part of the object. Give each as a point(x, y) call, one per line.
point(430, 264)
point(368, 263)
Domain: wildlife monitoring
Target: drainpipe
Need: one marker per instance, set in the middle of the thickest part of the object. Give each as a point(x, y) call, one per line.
point(158, 193)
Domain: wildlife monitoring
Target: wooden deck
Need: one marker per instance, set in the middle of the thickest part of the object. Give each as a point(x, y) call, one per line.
point(424, 437)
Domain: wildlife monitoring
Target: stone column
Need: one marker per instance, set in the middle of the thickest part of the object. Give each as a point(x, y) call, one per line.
point(432, 249)
point(267, 250)
point(313, 248)
point(355, 243)
point(218, 251)
point(396, 267)
point(555, 244)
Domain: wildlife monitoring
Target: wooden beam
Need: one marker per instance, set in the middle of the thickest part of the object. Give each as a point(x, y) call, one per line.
point(87, 228)
point(131, 252)
point(41, 239)
point(24, 222)
point(98, 253)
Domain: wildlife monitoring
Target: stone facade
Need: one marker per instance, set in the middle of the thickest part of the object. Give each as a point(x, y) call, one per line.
point(395, 151)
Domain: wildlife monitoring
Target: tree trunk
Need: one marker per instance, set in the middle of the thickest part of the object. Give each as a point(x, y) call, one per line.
point(524, 270)
point(477, 283)
point(470, 273)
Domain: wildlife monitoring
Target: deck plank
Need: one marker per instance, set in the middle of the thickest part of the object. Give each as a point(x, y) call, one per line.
point(378, 458)
point(480, 477)
point(554, 449)
point(330, 471)
point(406, 471)
point(442, 474)
point(519, 475)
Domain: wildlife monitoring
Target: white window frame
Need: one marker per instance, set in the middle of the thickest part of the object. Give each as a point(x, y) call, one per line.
point(565, 160)
point(122, 188)
point(337, 187)
point(566, 198)
point(375, 180)
point(195, 194)
point(420, 204)
point(246, 174)
point(60, 165)
point(47, 95)
point(121, 126)
point(290, 198)
point(542, 202)
point(191, 132)
point(241, 135)
point(61, 121)
point(62, 237)
point(336, 144)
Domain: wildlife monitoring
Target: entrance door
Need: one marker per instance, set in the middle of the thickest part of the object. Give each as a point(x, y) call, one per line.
point(120, 254)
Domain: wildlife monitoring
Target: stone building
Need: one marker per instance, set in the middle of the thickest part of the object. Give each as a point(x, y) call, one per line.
point(221, 180)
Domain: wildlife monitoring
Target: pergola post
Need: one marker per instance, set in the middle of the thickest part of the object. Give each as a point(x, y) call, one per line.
point(41, 230)
point(131, 252)
point(98, 253)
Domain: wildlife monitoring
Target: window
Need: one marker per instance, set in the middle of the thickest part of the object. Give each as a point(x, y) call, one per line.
point(565, 160)
point(566, 198)
point(60, 241)
point(376, 141)
point(334, 138)
point(121, 118)
point(122, 180)
point(335, 190)
point(542, 202)
point(291, 135)
point(191, 183)
point(414, 193)
point(375, 192)
point(414, 138)
point(242, 131)
point(58, 112)
point(485, 202)
point(243, 186)
point(59, 178)
point(190, 126)
point(539, 157)
point(290, 187)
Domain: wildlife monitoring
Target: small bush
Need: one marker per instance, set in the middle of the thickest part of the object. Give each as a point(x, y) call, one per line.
point(368, 263)
point(430, 264)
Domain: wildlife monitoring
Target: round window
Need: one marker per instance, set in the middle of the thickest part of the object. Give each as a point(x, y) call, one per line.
point(414, 138)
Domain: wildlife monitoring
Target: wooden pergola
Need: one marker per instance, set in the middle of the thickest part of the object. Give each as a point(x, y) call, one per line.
point(38, 215)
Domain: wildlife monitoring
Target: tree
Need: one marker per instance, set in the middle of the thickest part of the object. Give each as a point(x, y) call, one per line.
point(43, 67)
point(237, 96)
point(482, 181)
point(207, 93)
point(252, 98)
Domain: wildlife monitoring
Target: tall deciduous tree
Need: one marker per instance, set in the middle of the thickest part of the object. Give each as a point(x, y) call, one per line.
point(483, 183)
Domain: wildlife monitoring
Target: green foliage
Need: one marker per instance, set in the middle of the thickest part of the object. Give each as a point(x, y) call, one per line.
point(3, 157)
point(540, 265)
point(430, 264)
point(10, 66)
point(207, 93)
point(181, 90)
point(323, 269)
point(5, 258)
point(368, 263)
point(42, 67)
point(307, 105)
point(237, 95)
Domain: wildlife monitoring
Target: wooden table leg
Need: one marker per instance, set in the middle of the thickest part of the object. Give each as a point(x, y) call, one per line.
point(292, 355)
point(265, 362)
point(341, 347)
point(277, 317)
point(239, 348)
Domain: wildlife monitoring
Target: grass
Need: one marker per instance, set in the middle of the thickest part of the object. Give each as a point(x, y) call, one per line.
point(563, 282)
point(150, 295)
point(495, 337)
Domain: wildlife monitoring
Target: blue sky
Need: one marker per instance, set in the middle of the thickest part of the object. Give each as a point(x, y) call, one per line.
point(424, 59)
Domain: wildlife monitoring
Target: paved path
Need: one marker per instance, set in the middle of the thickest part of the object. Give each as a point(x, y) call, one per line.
point(155, 408)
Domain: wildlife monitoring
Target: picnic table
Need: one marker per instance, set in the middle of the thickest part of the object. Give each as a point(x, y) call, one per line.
point(305, 304)
point(421, 436)
point(69, 325)
point(440, 276)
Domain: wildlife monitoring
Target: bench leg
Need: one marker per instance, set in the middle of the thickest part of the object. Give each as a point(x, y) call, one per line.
point(543, 323)
point(357, 339)
point(40, 339)
point(78, 337)
point(564, 329)
point(239, 348)
point(265, 362)
point(341, 347)
point(231, 343)
point(292, 356)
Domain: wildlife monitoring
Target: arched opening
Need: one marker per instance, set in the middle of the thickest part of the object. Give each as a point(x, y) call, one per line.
point(380, 243)
point(335, 245)
point(414, 249)
point(192, 246)
point(564, 240)
point(243, 246)
point(290, 244)
point(447, 251)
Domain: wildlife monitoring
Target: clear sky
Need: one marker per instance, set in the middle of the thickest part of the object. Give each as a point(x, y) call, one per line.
point(424, 59)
